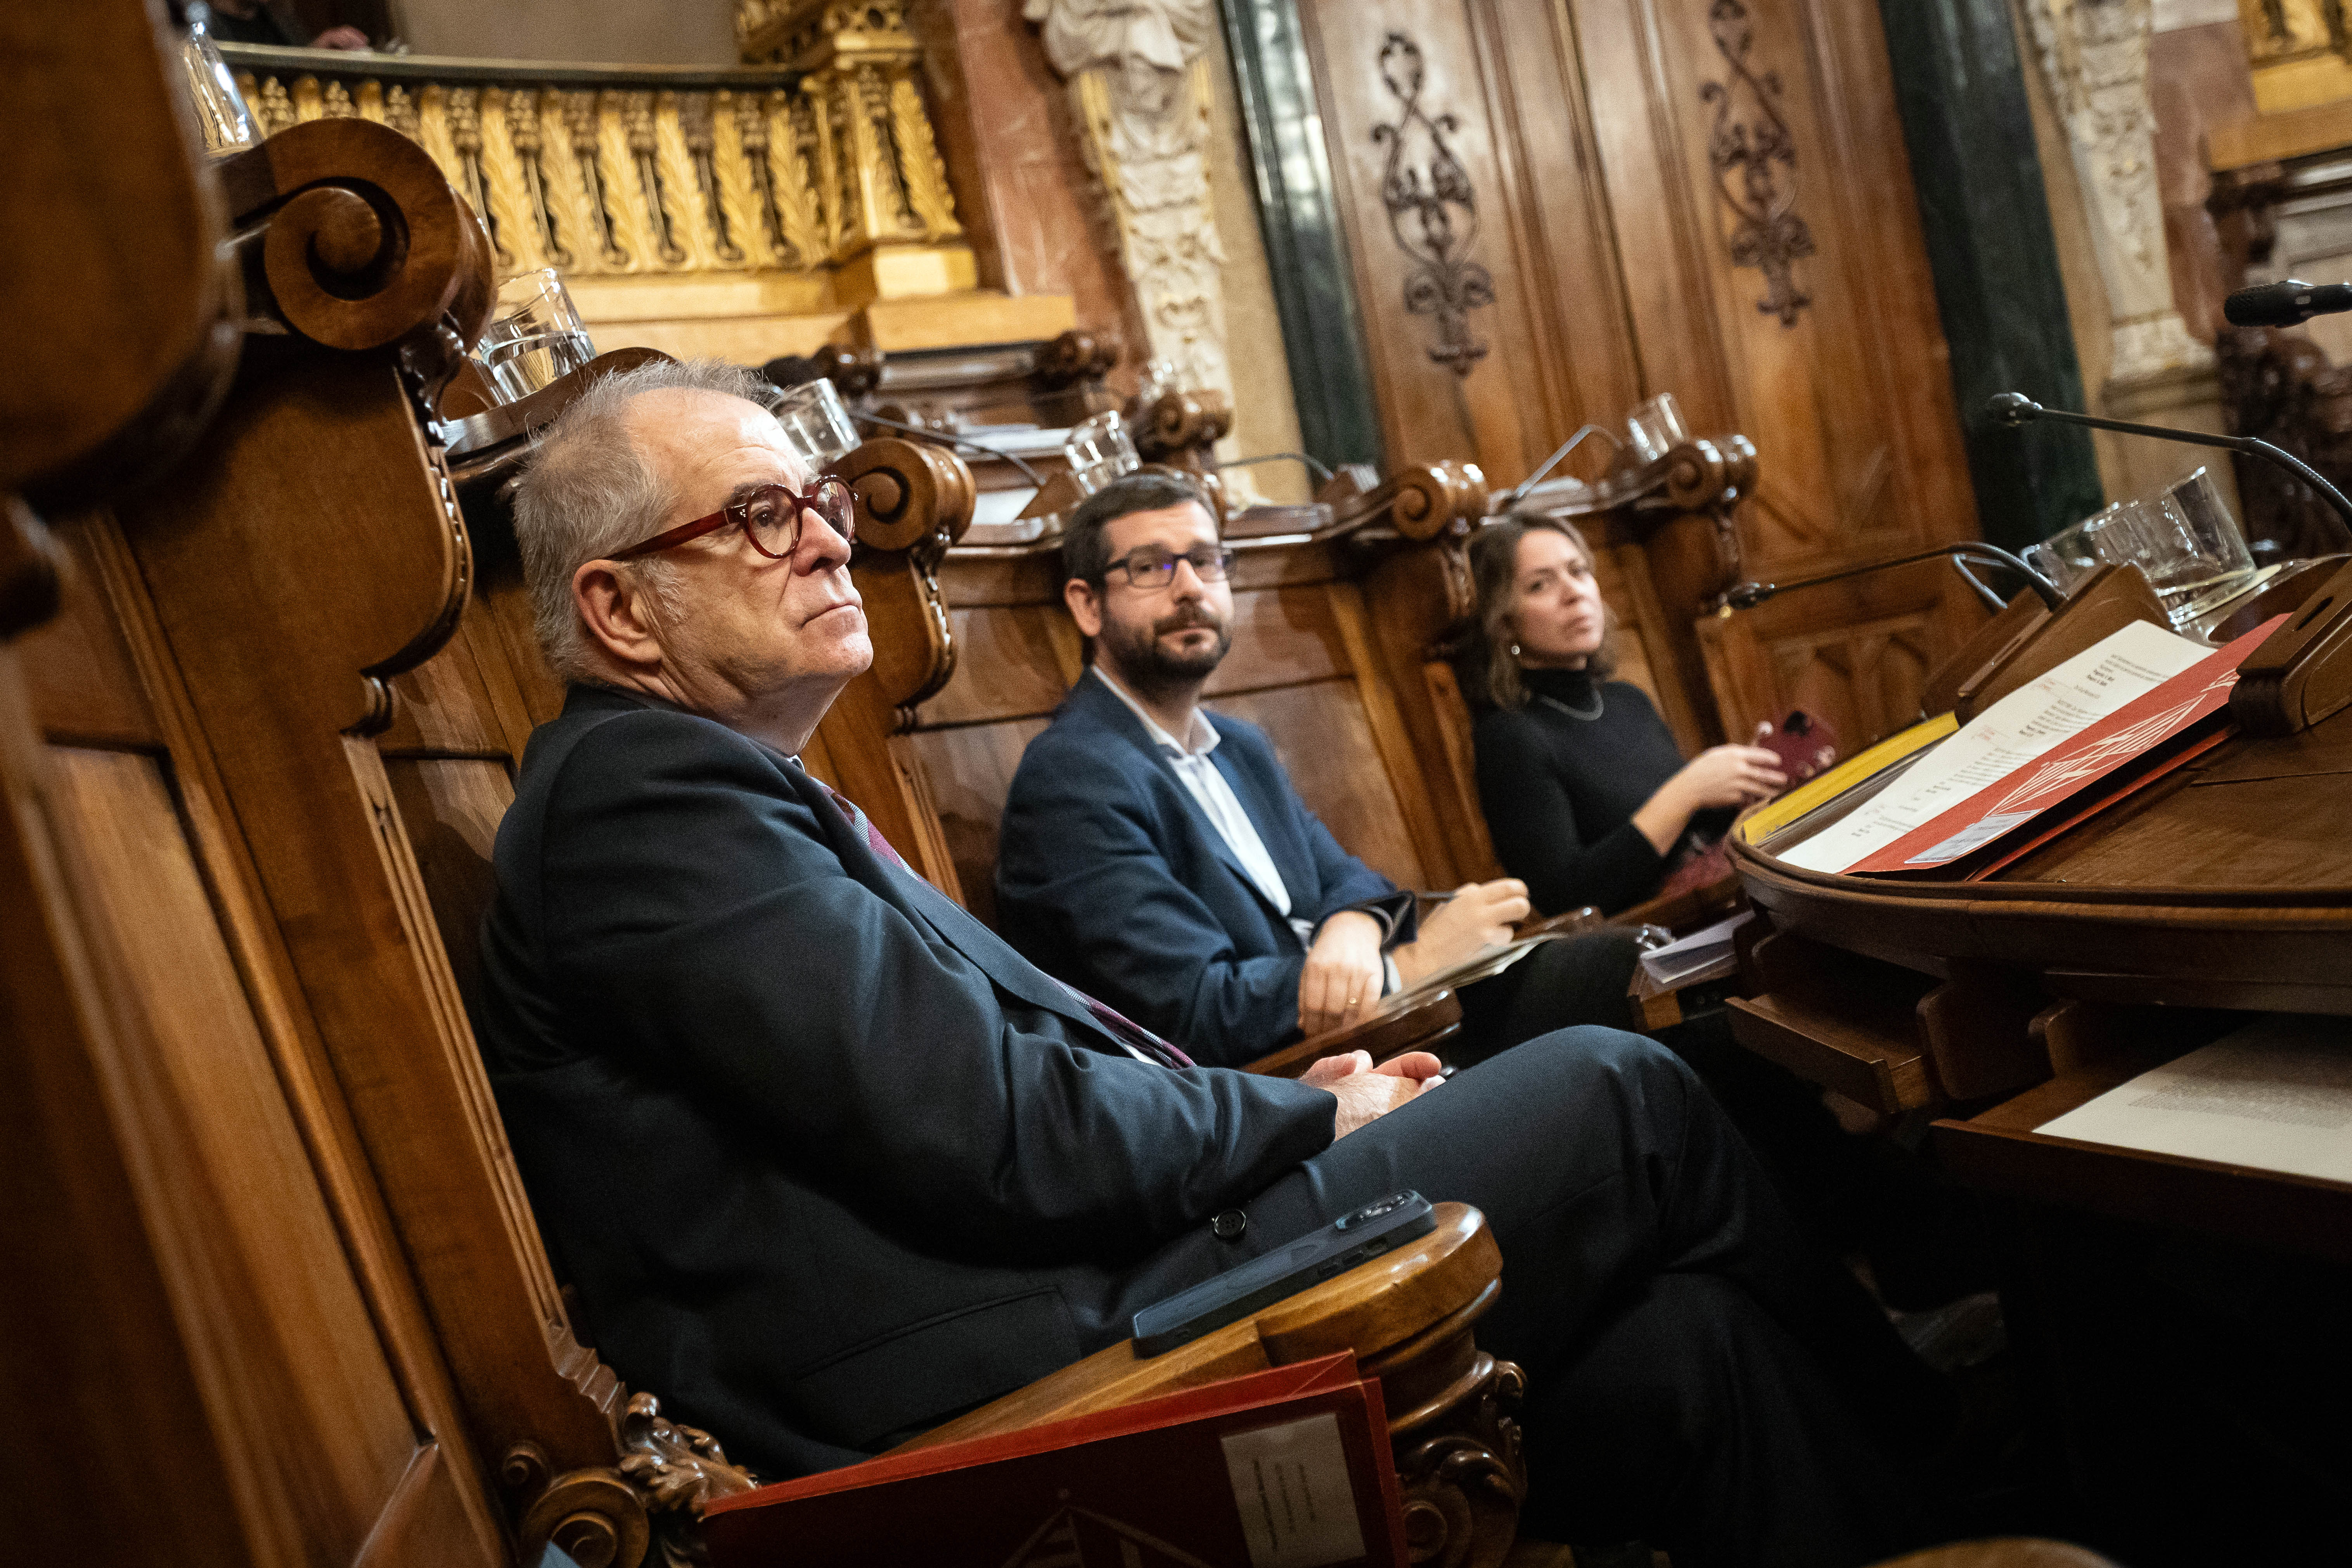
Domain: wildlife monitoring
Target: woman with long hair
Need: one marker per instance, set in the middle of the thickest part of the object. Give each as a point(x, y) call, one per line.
point(1586, 794)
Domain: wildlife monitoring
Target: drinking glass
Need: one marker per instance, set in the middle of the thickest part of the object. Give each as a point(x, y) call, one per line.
point(816, 423)
point(535, 339)
point(1099, 450)
point(2221, 561)
point(1655, 427)
point(2067, 556)
point(220, 108)
point(2179, 542)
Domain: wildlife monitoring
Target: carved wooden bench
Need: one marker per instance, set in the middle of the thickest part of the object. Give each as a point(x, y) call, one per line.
point(253, 775)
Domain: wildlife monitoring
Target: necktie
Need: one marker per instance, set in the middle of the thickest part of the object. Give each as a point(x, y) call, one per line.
point(1113, 1022)
point(874, 839)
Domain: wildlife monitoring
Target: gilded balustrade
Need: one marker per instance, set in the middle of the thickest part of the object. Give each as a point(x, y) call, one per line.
point(817, 178)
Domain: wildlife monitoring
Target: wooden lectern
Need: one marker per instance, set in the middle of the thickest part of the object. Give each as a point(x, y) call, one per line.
point(2153, 1299)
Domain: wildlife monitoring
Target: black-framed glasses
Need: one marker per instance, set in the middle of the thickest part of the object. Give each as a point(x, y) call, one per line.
point(769, 517)
point(1152, 569)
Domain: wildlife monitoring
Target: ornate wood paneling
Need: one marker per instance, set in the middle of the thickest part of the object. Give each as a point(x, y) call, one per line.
point(1708, 197)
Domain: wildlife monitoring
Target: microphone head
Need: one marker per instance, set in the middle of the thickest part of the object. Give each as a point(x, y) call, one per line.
point(2286, 303)
point(2011, 408)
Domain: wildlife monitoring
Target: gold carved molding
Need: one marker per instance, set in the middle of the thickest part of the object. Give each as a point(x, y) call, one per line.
point(821, 170)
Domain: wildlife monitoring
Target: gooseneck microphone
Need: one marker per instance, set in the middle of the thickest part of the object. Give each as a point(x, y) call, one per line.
point(2289, 302)
point(1747, 595)
point(2016, 408)
point(949, 438)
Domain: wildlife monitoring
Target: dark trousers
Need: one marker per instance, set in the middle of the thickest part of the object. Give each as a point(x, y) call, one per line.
point(1580, 980)
point(1700, 1376)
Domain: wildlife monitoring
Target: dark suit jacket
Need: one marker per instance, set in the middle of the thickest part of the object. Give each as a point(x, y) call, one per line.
point(1110, 875)
point(826, 1160)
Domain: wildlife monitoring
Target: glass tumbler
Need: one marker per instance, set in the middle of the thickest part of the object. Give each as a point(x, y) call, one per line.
point(2222, 562)
point(535, 339)
point(220, 108)
point(816, 423)
point(1099, 450)
point(1655, 427)
point(2067, 556)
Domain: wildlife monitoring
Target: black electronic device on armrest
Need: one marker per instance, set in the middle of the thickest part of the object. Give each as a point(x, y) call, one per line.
point(1382, 1225)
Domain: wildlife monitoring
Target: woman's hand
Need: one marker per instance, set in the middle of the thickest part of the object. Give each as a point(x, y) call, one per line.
point(1729, 776)
point(1720, 775)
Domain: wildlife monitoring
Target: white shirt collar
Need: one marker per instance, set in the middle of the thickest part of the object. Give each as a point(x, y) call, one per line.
point(1204, 737)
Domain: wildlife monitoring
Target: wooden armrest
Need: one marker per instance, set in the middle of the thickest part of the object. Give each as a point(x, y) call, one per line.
point(1408, 1317)
point(1446, 1278)
point(1412, 1021)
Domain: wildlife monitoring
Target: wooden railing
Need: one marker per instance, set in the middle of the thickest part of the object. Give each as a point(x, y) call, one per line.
point(819, 172)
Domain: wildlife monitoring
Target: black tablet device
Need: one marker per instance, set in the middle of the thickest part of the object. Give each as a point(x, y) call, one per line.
point(1380, 1226)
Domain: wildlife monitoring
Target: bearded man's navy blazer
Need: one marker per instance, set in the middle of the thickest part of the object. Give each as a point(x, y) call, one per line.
point(1110, 875)
point(826, 1160)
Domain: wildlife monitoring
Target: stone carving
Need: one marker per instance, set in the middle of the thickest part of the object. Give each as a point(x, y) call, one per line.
point(1422, 201)
point(1742, 152)
point(1138, 80)
point(2095, 55)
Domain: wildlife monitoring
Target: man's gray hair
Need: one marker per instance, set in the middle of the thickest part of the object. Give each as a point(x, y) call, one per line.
point(590, 492)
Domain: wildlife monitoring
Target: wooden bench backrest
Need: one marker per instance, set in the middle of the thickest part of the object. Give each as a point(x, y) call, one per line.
point(1339, 653)
point(274, 1269)
point(290, 674)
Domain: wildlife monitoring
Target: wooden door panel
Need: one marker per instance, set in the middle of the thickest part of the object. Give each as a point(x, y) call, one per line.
point(1706, 198)
point(1498, 413)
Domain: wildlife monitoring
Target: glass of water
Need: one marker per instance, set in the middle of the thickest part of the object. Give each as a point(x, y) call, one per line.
point(535, 339)
point(1655, 427)
point(2184, 543)
point(220, 108)
point(2217, 560)
point(1099, 450)
point(2067, 556)
point(816, 423)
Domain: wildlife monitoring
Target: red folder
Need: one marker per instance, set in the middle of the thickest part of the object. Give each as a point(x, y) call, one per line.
point(2067, 770)
point(1285, 1468)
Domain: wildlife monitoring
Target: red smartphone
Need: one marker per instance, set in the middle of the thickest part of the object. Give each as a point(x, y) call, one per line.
point(1804, 744)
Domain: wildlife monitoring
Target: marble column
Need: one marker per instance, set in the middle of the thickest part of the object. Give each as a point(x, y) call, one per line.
point(2094, 56)
point(1138, 76)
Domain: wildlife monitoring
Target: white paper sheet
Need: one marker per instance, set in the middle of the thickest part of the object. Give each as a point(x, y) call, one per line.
point(1667, 966)
point(2006, 736)
point(2276, 1095)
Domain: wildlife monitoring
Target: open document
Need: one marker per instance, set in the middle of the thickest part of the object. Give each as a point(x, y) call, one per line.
point(2005, 737)
point(2276, 1095)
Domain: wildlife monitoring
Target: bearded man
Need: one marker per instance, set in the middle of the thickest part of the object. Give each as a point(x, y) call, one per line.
point(1242, 922)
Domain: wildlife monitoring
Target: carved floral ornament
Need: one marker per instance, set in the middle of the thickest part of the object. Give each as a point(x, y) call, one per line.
point(1754, 160)
point(1432, 212)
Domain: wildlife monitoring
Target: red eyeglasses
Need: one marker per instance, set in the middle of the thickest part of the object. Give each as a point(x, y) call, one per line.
point(769, 517)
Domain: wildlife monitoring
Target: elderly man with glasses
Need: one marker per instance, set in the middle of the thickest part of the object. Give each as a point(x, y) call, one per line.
point(828, 1161)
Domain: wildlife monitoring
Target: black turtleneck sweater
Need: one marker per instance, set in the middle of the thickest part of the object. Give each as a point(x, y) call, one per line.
point(1559, 790)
